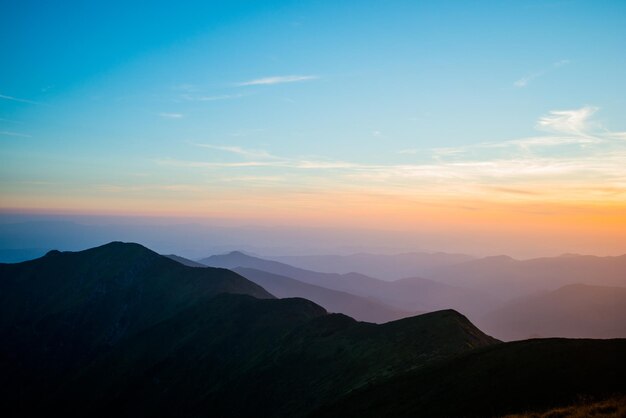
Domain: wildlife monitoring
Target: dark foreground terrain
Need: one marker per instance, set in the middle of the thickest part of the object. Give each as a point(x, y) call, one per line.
point(121, 330)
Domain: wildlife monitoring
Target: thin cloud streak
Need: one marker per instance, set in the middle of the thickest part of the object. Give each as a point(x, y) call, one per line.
point(527, 79)
point(171, 115)
point(191, 98)
point(16, 134)
point(237, 150)
point(17, 99)
point(278, 80)
point(526, 168)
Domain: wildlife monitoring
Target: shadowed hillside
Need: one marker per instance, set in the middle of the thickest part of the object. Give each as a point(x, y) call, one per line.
point(284, 357)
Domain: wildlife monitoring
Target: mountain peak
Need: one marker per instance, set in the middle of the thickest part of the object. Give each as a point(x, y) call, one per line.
point(237, 253)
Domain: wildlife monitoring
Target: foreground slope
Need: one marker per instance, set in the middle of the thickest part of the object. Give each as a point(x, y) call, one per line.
point(357, 307)
point(505, 378)
point(240, 356)
point(573, 311)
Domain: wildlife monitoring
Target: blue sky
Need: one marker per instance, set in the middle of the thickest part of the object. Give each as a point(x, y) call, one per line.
point(201, 107)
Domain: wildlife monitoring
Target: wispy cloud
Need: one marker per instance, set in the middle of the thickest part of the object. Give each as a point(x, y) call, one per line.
point(527, 79)
point(16, 134)
point(201, 98)
point(564, 127)
point(177, 188)
point(17, 99)
point(520, 169)
point(171, 115)
point(278, 80)
point(246, 152)
point(567, 121)
point(304, 164)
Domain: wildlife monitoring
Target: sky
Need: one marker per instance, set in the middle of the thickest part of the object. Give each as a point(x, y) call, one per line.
point(479, 117)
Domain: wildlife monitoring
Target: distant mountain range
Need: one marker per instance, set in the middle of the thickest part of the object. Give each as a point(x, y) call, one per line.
point(120, 330)
point(413, 294)
point(573, 311)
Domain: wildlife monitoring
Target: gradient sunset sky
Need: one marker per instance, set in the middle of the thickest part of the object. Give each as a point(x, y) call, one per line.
point(408, 115)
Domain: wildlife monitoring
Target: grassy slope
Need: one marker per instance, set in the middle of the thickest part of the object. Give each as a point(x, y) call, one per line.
point(501, 379)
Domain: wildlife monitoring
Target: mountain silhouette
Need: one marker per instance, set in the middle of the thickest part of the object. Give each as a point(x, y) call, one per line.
point(60, 311)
